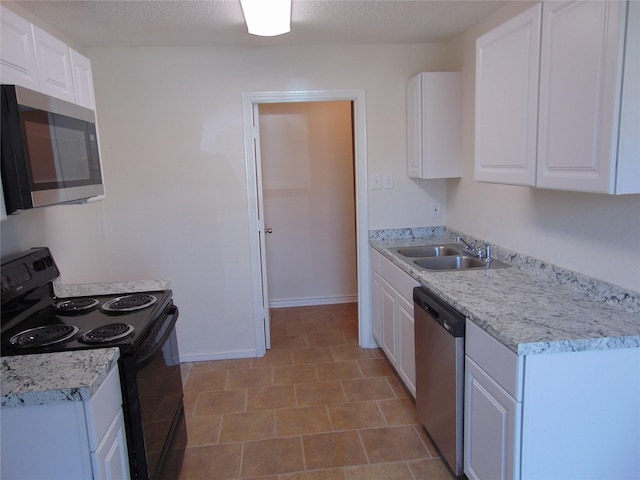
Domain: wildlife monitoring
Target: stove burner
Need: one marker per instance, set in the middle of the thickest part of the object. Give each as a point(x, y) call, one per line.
point(129, 303)
point(42, 336)
point(74, 306)
point(107, 333)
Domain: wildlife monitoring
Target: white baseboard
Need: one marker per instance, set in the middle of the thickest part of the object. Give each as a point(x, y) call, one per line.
point(310, 301)
point(206, 357)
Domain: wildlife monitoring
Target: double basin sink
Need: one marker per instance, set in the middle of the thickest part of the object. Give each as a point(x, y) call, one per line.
point(444, 257)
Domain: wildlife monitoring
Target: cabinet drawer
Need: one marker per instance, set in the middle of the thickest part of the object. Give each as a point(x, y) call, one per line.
point(503, 365)
point(398, 279)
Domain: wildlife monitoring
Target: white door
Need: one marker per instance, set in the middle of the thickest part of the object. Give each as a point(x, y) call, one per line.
point(254, 197)
point(306, 151)
point(261, 230)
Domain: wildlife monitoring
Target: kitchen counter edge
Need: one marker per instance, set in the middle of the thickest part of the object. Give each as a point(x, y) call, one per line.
point(112, 288)
point(40, 379)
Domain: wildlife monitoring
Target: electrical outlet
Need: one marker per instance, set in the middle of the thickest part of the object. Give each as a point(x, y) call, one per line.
point(435, 210)
point(376, 182)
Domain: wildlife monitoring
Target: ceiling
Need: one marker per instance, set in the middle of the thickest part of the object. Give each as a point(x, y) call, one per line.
point(97, 23)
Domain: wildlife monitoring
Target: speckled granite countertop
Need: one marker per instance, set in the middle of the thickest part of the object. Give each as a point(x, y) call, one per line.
point(531, 307)
point(45, 378)
point(88, 289)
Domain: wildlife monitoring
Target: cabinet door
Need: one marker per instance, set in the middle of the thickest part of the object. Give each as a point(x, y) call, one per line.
point(434, 125)
point(82, 80)
point(492, 421)
point(414, 127)
point(18, 56)
point(375, 307)
point(507, 67)
point(110, 460)
point(580, 79)
point(406, 345)
point(54, 65)
point(388, 307)
point(628, 168)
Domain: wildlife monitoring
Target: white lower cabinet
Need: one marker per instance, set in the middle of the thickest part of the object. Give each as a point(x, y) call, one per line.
point(569, 415)
point(67, 440)
point(110, 459)
point(492, 419)
point(392, 316)
point(406, 358)
point(389, 302)
point(375, 304)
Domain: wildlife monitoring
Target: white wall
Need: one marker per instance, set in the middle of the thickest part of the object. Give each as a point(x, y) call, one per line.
point(306, 151)
point(597, 235)
point(174, 165)
point(72, 234)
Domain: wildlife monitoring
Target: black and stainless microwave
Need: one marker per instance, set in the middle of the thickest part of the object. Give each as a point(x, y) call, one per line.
point(49, 150)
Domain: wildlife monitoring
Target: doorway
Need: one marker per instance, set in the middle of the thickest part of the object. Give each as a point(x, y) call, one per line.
point(309, 202)
point(258, 229)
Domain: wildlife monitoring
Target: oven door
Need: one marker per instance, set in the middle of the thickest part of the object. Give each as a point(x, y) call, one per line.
point(157, 432)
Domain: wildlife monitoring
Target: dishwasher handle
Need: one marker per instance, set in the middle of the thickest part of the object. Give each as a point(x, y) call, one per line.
point(445, 315)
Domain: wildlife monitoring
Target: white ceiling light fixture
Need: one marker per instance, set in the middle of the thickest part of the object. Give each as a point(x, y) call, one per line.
point(267, 18)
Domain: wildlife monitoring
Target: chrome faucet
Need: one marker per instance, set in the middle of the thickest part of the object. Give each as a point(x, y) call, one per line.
point(480, 253)
point(467, 247)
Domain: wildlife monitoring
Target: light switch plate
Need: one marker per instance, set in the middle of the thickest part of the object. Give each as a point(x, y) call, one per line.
point(376, 181)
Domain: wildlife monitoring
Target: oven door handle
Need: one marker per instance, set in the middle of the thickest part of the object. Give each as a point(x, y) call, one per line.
point(170, 321)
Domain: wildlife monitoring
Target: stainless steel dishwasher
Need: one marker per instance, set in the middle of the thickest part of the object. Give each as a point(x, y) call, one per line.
point(439, 347)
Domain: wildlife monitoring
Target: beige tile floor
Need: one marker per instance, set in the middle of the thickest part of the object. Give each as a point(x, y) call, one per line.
point(315, 407)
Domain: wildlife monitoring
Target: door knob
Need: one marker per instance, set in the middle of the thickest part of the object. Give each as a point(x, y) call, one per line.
point(269, 230)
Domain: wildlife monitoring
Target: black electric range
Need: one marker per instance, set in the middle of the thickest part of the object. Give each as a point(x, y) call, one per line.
point(84, 322)
point(140, 324)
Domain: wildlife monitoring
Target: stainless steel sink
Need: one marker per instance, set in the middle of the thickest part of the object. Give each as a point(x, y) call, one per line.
point(456, 262)
point(428, 251)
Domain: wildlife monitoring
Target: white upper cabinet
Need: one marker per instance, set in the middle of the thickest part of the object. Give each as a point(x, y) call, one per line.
point(564, 112)
point(507, 65)
point(18, 56)
point(434, 125)
point(82, 80)
point(54, 65)
point(32, 58)
point(628, 168)
point(580, 91)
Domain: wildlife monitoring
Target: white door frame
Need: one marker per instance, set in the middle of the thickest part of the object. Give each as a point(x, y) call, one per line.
point(254, 193)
